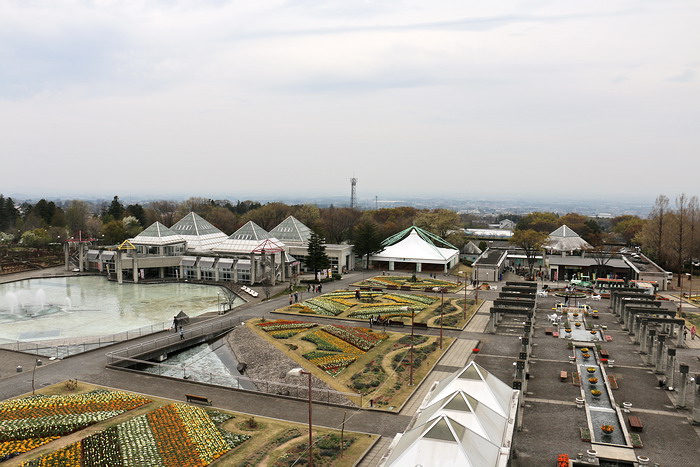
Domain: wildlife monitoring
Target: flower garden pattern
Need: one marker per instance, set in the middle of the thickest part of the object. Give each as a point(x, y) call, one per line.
point(33, 421)
point(284, 328)
point(172, 435)
point(406, 281)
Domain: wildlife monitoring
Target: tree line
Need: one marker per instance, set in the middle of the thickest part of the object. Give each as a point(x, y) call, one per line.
point(668, 235)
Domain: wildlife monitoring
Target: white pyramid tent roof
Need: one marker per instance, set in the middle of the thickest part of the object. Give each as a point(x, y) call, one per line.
point(445, 442)
point(469, 412)
point(291, 230)
point(479, 384)
point(199, 233)
point(415, 248)
point(157, 234)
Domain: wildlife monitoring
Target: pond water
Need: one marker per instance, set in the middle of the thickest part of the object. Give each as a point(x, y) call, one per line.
point(68, 307)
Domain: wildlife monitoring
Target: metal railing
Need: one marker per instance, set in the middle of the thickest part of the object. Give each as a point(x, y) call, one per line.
point(244, 383)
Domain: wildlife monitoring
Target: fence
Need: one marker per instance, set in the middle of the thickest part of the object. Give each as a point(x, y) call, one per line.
point(244, 383)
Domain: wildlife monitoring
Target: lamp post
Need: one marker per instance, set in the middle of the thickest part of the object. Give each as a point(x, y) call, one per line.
point(442, 310)
point(37, 363)
point(299, 372)
point(410, 367)
point(218, 302)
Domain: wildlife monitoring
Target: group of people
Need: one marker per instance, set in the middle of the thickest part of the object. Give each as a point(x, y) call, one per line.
point(315, 288)
point(294, 297)
point(378, 320)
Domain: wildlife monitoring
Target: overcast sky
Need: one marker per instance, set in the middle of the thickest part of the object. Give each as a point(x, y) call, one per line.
point(439, 98)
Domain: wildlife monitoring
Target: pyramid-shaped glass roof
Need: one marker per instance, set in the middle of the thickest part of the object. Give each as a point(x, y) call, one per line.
point(157, 234)
point(250, 231)
point(565, 239)
point(199, 233)
point(291, 230)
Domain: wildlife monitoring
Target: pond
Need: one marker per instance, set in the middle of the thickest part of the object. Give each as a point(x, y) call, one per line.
point(68, 307)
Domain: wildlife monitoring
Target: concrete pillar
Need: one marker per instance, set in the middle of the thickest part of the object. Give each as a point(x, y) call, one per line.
point(651, 336)
point(525, 341)
point(419, 267)
point(671, 368)
point(520, 374)
point(253, 268)
point(643, 336)
point(623, 318)
point(696, 406)
point(660, 353)
point(391, 265)
point(492, 323)
point(273, 273)
point(120, 271)
point(135, 268)
point(683, 369)
point(182, 272)
point(633, 323)
point(81, 256)
point(66, 255)
point(681, 335)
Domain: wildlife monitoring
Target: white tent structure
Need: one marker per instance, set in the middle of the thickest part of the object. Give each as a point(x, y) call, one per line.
point(415, 245)
point(467, 419)
point(565, 240)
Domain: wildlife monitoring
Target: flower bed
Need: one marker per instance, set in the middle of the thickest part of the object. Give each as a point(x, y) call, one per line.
point(360, 338)
point(36, 420)
point(173, 435)
point(326, 341)
point(326, 306)
point(331, 362)
point(284, 328)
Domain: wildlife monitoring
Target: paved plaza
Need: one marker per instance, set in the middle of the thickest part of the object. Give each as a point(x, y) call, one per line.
point(551, 422)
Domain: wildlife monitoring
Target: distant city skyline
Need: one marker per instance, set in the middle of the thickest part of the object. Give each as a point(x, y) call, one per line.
point(530, 99)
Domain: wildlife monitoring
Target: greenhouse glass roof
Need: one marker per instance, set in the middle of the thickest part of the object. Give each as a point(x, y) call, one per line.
point(291, 230)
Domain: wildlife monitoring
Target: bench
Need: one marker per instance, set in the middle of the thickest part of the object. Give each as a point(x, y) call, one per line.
point(604, 354)
point(200, 399)
point(635, 423)
point(548, 331)
point(563, 376)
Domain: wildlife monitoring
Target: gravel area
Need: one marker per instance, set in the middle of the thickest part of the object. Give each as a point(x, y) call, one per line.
point(266, 363)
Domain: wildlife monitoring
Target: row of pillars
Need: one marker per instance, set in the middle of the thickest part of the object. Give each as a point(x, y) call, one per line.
point(522, 365)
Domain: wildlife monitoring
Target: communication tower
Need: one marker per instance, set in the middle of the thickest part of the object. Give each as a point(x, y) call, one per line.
point(353, 193)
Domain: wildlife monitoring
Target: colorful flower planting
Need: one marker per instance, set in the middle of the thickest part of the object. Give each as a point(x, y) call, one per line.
point(332, 363)
point(326, 341)
point(173, 435)
point(284, 328)
point(407, 281)
point(36, 420)
point(361, 338)
point(327, 305)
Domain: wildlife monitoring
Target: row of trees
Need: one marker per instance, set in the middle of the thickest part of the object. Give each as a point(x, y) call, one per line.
point(671, 235)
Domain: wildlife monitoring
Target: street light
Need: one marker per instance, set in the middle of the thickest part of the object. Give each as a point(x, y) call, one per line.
point(410, 367)
point(218, 302)
point(442, 310)
point(37, 363)
point(299, 372)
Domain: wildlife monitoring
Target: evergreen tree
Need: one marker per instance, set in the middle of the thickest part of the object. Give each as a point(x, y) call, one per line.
point(367, 240)
point(115, 210)
point(316, 257)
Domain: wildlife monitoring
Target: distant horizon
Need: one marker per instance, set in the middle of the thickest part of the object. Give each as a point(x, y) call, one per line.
point(639, 205)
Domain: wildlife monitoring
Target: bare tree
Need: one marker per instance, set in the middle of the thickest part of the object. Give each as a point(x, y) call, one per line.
point(693, 219)
point(680, 247)
point(655, 232)
point(229, 294)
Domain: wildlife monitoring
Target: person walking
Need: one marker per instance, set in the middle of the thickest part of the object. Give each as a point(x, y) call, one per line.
point(693, 331)
point(182, 333)
point(291, 299)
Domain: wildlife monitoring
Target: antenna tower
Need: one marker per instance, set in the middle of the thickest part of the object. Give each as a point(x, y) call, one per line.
point(353, 193)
